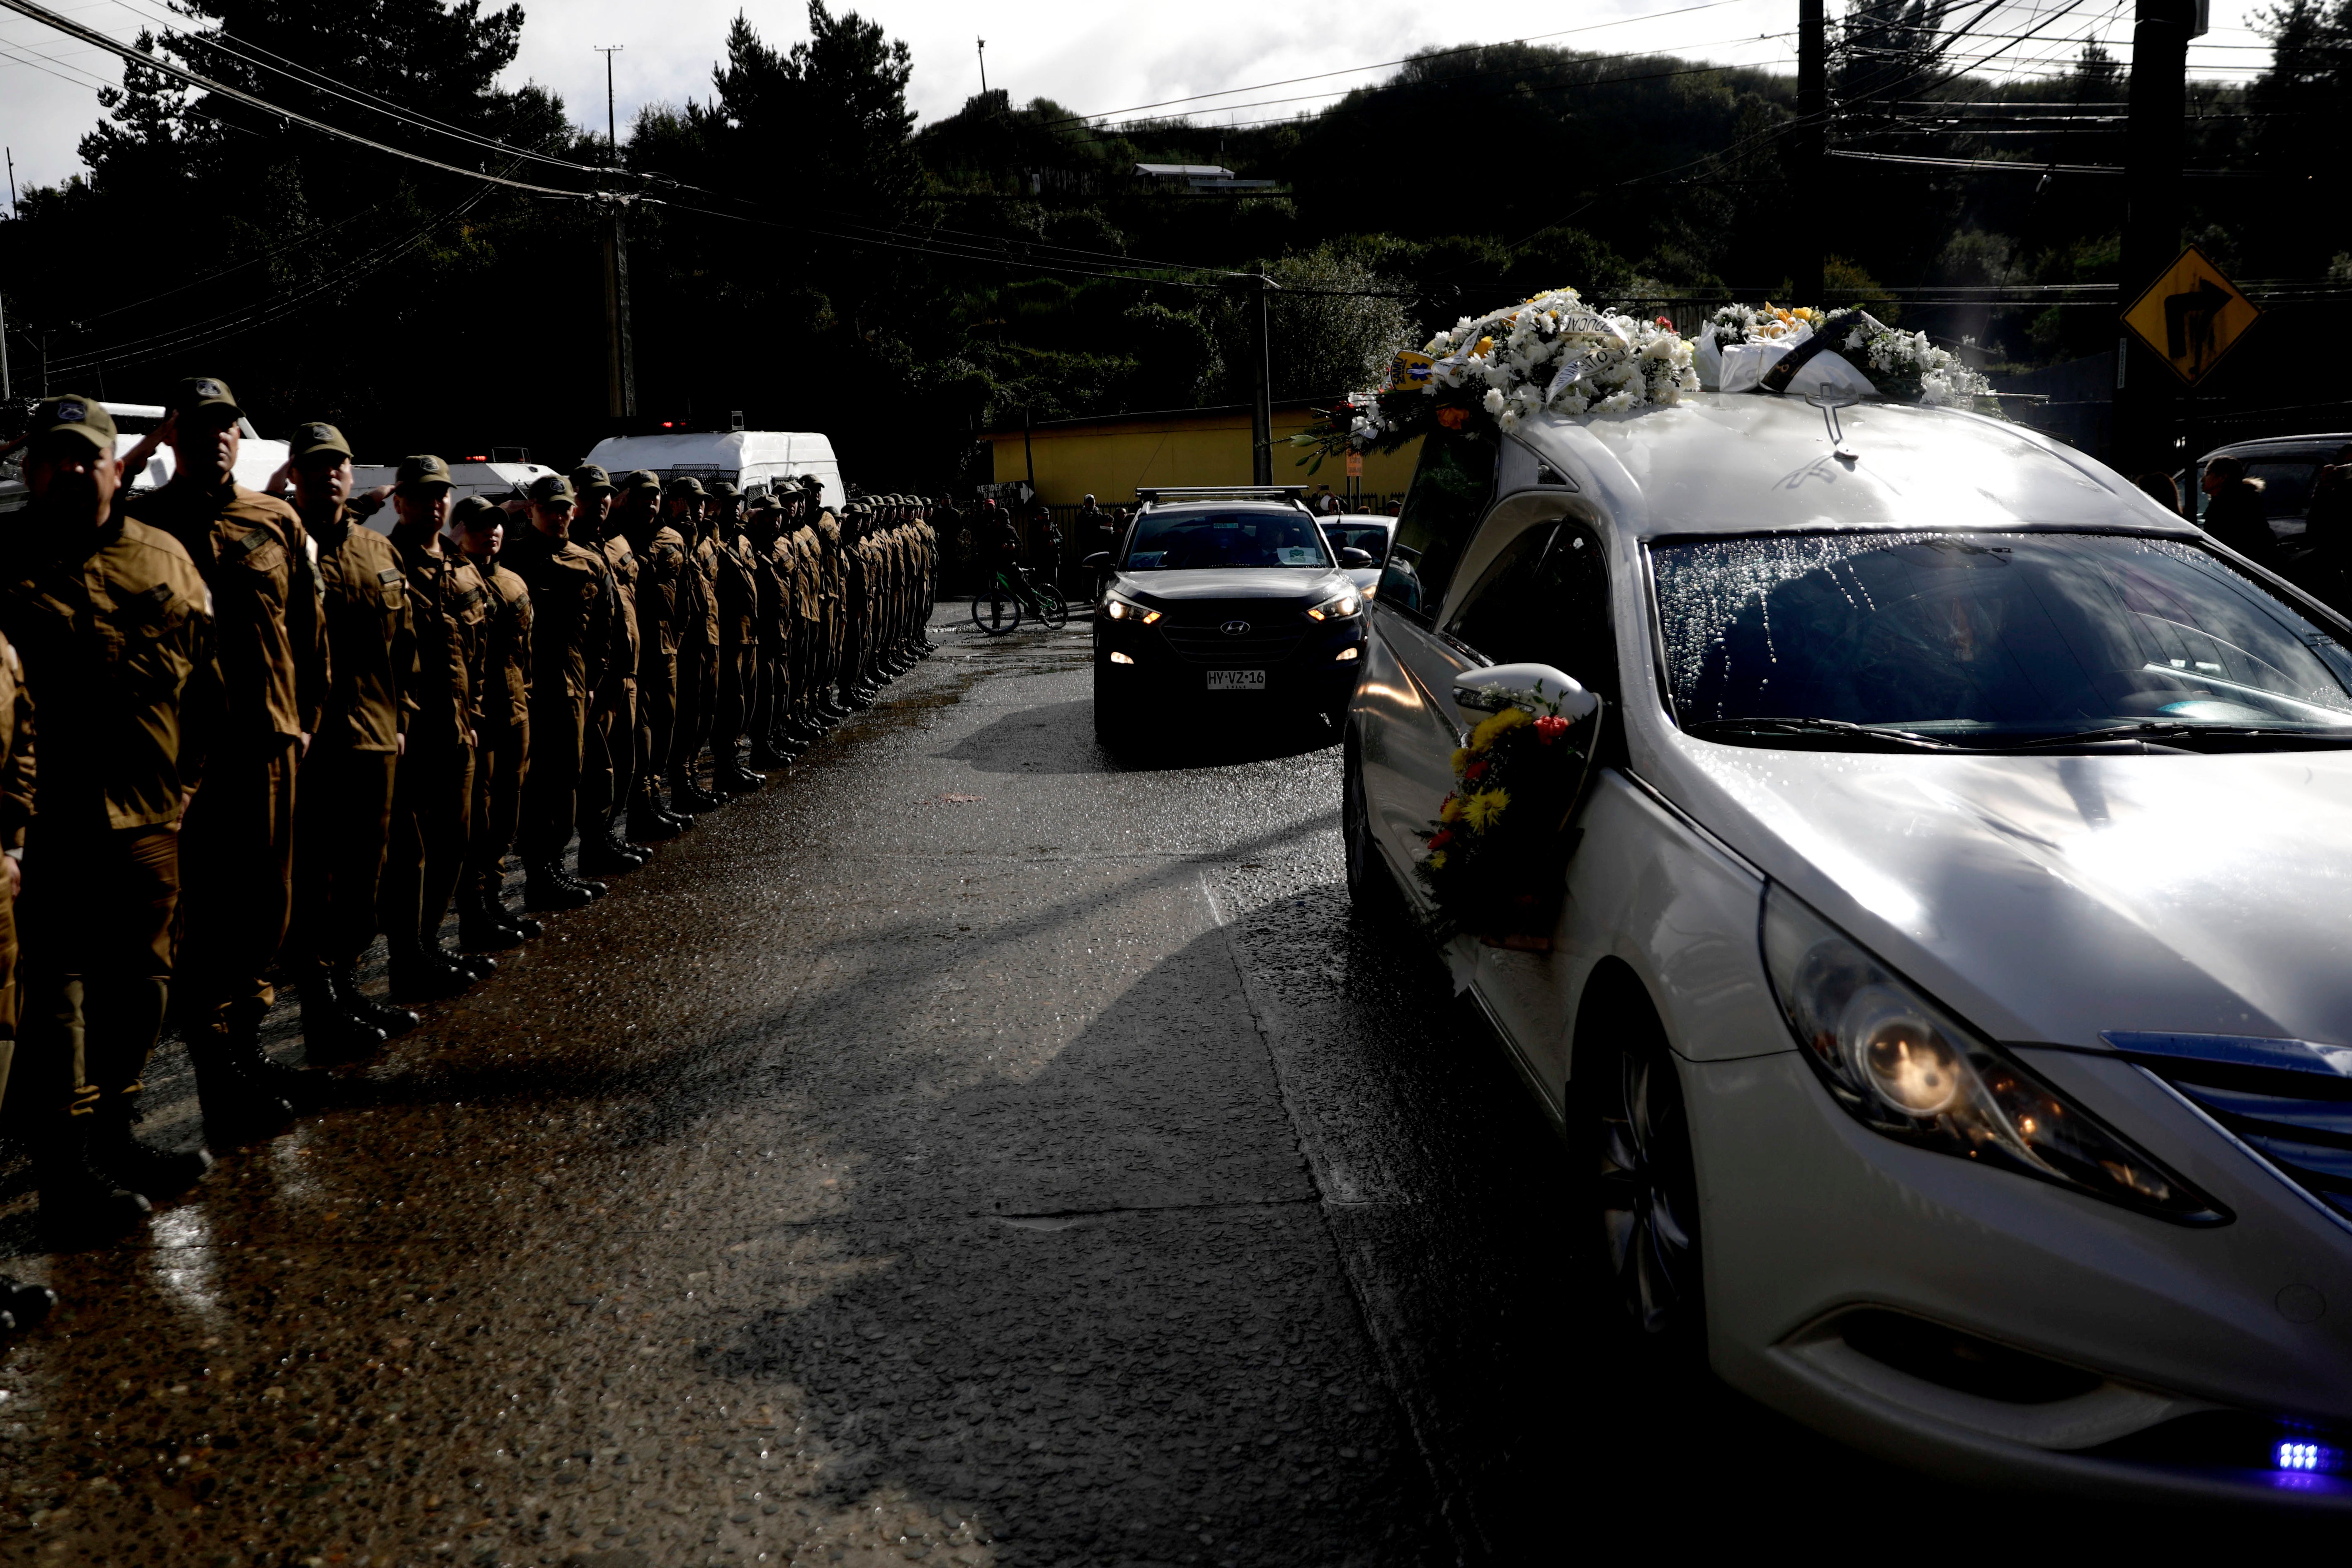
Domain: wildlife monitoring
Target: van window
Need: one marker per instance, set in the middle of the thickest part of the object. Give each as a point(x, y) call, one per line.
point(1544, 600)
point(1449, 493)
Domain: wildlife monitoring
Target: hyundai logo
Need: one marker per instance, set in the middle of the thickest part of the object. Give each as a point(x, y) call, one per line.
point(1234, 628)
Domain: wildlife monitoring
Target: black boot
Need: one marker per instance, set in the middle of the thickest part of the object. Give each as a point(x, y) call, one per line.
point(27, 1306)
point(546, 887)
point(648, 824)
point(686, 795)
point(394, 1021)
point(483, 927)
point(736, 779)
point(154, 1173)
point(247, 1097)
point(604, 857)
point(481, 965)
point(81, 1206)
point(427, 974)
point(332, 1030)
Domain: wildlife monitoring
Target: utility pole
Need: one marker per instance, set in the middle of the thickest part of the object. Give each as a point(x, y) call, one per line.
point(619, 360)
point(612, 131)
point(5, 390)
point(1262, 378)
point(2154, 129)
point(1811, 148)
point(12, 181)
point(983, 67)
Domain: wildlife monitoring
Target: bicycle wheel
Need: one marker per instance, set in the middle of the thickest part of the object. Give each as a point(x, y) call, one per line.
point(995, 611)
point(1052, 609)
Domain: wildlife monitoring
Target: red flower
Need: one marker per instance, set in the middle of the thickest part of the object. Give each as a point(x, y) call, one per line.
point(1440, 840)
point(1550, 729)
point(1667, 323)
point(1476, 771)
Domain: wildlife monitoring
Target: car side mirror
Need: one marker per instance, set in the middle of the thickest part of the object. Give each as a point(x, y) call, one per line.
point(1099, 558)
point(1538, 687)
point(1352, 556)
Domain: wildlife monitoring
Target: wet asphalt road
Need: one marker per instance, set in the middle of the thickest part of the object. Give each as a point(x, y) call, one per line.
point(972, 1149)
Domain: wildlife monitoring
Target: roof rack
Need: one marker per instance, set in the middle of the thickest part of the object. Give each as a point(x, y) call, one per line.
point(1221, 492)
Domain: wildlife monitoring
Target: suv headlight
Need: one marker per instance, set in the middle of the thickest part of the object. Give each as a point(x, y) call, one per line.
point(1339, 607)
point(1119, 607)
point(1902, 1066)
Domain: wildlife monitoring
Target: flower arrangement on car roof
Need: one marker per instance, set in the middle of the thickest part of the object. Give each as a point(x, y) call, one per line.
point(1496, 849)
point(1904, 367)
point(1551, 352)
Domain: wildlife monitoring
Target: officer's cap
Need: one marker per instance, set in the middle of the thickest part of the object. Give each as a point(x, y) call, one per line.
point(641, 479)
point(74, 415)
point(588, 478)
point(315, 437)
point(810, 482)
point(477, 511)
point(724, 490)
point(206, 394)
point(421, 471)
point(683, 486)
point(548, 489)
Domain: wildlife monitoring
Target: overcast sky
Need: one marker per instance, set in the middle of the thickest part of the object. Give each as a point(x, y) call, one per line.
point(1095, 59)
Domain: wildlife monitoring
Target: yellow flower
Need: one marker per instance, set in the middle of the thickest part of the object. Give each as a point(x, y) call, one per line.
point(1460, 760)
point(1480, 352)
point(1492, 730)
point(1451, 810)
point(1437, 861)
point(1481, 809)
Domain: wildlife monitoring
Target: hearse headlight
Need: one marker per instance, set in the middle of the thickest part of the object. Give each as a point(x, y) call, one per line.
point(1339, 607)
point(1901, 1065)
point(1119, 607)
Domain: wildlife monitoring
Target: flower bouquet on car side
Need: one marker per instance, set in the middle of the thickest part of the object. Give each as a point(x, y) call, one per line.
point(1494, 854)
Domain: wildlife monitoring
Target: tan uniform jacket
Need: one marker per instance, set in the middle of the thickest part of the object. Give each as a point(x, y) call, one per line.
point(571, 597)
point(661, 564)
point(506, 643)
point(118, 641)
point(452, 611)
point(257, 558)
point(371, 639)
point(738, 573)
point(808, 574)
point(621, 561)
point(16, 775)
point(702, 585)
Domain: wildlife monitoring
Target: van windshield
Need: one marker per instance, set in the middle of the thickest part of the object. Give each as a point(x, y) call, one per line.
point(1987, 639)
point(1176, 540)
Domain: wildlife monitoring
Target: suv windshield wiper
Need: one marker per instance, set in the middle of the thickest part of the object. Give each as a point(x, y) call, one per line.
point(1903, 740)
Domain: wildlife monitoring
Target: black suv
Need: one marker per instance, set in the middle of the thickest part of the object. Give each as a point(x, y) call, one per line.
point(1220, 602)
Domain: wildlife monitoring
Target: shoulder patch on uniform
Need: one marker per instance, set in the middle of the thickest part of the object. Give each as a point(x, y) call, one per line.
point(391, 575)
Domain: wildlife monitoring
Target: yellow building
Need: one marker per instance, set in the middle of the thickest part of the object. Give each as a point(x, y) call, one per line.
point(1109, 456)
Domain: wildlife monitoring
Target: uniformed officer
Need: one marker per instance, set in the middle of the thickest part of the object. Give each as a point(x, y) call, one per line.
point(342, 809)
point(809, 718)
point(433, 789)
point(608, 757)
point(113, 624)
point(571, 638)
point(684, 510)
point(236, 844)
point(737, 602)
point(22, 1306)
point(834, 574)
point(661, 559)
point(502, 751)
point(772, 626)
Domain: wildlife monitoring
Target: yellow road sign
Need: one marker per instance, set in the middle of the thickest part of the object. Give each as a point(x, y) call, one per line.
point(2192, 316)
point(1355, 465)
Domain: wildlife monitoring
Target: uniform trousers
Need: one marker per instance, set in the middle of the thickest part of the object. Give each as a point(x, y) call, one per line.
point(550, 795)
point(608, 760)
point(503, 763)
point(98, 908)
point(236, 873)
point(698, 703)
point(342, 813)
point(771, 702)
point(739, 691)
point(657, 723)
point(808, 641)
point(432, 800)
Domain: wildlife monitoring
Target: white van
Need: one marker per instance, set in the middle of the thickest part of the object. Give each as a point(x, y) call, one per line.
point(768, 459)
point(257, 460)
point(495, 480)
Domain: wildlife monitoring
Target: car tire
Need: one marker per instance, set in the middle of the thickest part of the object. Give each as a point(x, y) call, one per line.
point(1370, 889)
point(1630, 1116)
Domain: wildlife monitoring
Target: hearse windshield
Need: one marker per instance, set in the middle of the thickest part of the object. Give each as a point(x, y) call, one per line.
point(1936, 641)
point(1176, 540)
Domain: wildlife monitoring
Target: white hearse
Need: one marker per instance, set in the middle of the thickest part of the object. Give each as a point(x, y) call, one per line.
point(1949, 1002)
point(767, 459)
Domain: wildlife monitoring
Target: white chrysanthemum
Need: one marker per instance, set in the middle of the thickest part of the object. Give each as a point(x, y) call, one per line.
point(1494, 404)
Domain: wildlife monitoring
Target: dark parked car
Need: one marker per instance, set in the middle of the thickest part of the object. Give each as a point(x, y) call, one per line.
point(1224, 602)
point(1370, 534)
point(2287, 466)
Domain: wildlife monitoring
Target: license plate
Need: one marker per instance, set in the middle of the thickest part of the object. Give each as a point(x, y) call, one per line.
point(1237, 680)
